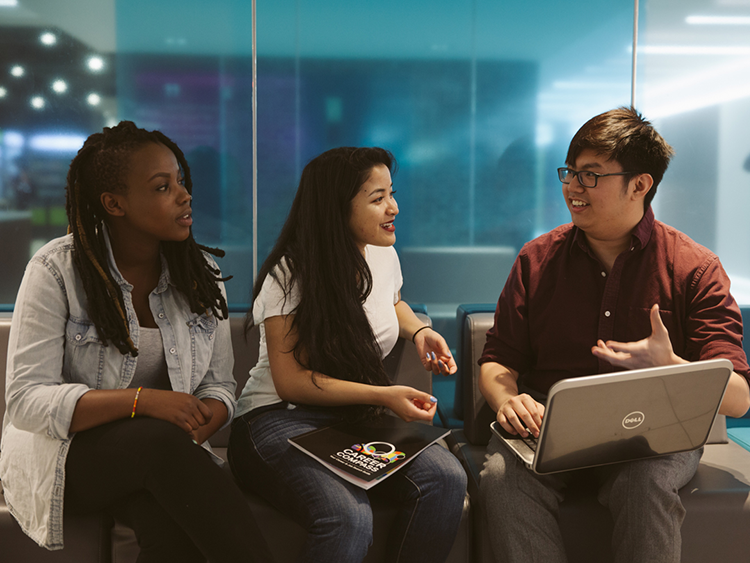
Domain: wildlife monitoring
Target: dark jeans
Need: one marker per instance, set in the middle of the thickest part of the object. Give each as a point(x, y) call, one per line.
point(429, 492)
point(150, 475)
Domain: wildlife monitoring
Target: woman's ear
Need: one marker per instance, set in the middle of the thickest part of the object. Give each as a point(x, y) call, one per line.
point(112, 204)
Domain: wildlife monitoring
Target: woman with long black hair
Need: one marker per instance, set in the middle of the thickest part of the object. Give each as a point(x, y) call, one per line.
point(120, 365)
point(328, 304)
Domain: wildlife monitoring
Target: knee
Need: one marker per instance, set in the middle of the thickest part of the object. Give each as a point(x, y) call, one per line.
point(452, 480)
point(641, 485)
point(346, 520)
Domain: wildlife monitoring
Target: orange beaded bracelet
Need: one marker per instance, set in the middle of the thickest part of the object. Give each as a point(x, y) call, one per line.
point(138, 392)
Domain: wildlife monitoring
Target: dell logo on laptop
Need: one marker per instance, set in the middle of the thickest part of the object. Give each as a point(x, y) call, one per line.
point(633, 420)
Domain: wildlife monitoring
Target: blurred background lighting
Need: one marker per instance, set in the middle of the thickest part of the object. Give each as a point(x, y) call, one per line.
point(57, 143)
point(95, 64)
point(8, 3)
point(48, 38)
point(13, 139)
point(3, 92)
point(718, 20)
point(37, 102)
point(17, 70)
point(60, 86)
point(94, 99)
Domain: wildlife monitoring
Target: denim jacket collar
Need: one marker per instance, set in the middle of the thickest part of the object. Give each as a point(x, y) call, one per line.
point(164, 278)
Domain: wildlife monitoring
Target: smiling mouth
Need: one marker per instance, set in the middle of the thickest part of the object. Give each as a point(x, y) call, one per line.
point(578, 204)
point(390, 227)
point(186, 219)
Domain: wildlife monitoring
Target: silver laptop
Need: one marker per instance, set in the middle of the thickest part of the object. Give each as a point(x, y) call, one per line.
point(622, 416)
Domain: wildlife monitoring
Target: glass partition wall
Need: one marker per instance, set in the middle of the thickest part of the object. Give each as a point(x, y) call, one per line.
point(477, 99)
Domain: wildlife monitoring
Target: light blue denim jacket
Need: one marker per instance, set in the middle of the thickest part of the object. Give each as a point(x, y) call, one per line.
point(55, 356)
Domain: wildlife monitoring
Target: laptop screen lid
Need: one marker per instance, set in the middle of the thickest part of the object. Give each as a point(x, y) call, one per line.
point(628, 415)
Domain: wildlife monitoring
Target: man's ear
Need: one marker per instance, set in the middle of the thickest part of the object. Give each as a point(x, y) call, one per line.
point(643, 184)
point(112, 204)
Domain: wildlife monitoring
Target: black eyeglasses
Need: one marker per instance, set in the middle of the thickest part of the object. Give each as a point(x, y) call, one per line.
point(586, 178)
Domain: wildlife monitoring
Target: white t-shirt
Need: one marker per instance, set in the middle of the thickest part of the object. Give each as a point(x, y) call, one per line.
point(383, 261)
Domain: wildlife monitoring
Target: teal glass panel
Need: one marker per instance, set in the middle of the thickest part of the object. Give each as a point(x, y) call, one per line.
point(694, 82)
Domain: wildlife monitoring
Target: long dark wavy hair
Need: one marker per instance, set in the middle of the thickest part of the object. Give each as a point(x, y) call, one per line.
point(325, 265)
point(100, 166)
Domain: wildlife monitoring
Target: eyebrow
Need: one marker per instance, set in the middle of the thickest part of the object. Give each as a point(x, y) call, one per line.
point(373, 192)
point(592, 165)
point(165, 175)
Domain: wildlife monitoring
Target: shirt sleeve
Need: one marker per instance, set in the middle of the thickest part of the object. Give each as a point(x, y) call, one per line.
point(273, 301)
point(37, 398)
point(508, 340)
point(714, 321)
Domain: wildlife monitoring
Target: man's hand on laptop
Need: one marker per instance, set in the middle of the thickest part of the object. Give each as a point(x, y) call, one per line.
point(656, 350)
point(519, 413)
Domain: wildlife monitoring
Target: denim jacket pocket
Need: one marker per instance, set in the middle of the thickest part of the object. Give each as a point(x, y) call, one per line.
point(203, 323)
point(202, 330)
point(85, 352)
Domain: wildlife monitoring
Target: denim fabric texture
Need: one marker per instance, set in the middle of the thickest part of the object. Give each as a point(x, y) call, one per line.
point(642, 496)
point(429, 492)
point(55, 356)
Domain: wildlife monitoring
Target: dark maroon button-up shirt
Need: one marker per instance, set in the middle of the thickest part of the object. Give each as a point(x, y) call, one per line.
point(558, 301)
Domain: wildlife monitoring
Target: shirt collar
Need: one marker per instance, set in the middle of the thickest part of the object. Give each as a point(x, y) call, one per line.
point(164, 278)
point(640, 236)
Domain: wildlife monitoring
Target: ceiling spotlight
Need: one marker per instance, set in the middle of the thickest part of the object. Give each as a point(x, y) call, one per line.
point(48, 38)
point(95, 64)
point(17, 71)
point(37, 102)
point(94, 99)
point(60, 86)
point(3, 92)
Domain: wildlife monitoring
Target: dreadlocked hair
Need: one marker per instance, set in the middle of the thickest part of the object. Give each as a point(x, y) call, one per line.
point(317, 256)
point(99, 167)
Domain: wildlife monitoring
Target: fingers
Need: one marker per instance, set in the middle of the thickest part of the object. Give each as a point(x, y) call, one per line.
point(439, 363)
point(521, 415)
point(206, 411)
point(657, 325)
point(410, 404)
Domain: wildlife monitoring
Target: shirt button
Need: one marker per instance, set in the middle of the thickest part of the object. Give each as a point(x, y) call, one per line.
point(161, 315)
point(172, 350)
point(78, 337)
point(211, 337)
point(604, 274)
point(607, 313)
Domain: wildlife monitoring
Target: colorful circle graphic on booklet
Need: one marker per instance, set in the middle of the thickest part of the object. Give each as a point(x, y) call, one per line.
point(388, 454)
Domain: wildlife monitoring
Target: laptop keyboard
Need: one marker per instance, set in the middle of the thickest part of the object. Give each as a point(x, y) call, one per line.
point(529, 440)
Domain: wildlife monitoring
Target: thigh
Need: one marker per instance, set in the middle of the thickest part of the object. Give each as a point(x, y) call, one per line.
point(641, 478)
point(107, 463)
point(263, 461)
point(435, 471)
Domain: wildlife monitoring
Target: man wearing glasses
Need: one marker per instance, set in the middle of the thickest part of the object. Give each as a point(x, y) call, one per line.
point(615, 289)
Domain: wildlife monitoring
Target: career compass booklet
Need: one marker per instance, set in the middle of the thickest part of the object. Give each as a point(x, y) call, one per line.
point(366, 453)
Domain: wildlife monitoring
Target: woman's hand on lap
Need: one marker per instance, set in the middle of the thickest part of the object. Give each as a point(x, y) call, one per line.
point(181, 409)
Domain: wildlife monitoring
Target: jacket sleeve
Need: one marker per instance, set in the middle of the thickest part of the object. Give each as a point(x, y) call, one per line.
point(218, 382)
point(37, 397)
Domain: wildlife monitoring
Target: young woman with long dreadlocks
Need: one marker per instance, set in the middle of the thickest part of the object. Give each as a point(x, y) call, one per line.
point(120, 365)
point(328, 304)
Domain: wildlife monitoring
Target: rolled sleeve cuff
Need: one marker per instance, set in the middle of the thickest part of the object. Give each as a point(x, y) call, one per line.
point(222, 395)
point(63, 405)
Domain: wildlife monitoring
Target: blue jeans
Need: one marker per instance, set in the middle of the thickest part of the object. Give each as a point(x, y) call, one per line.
point(429, 492)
